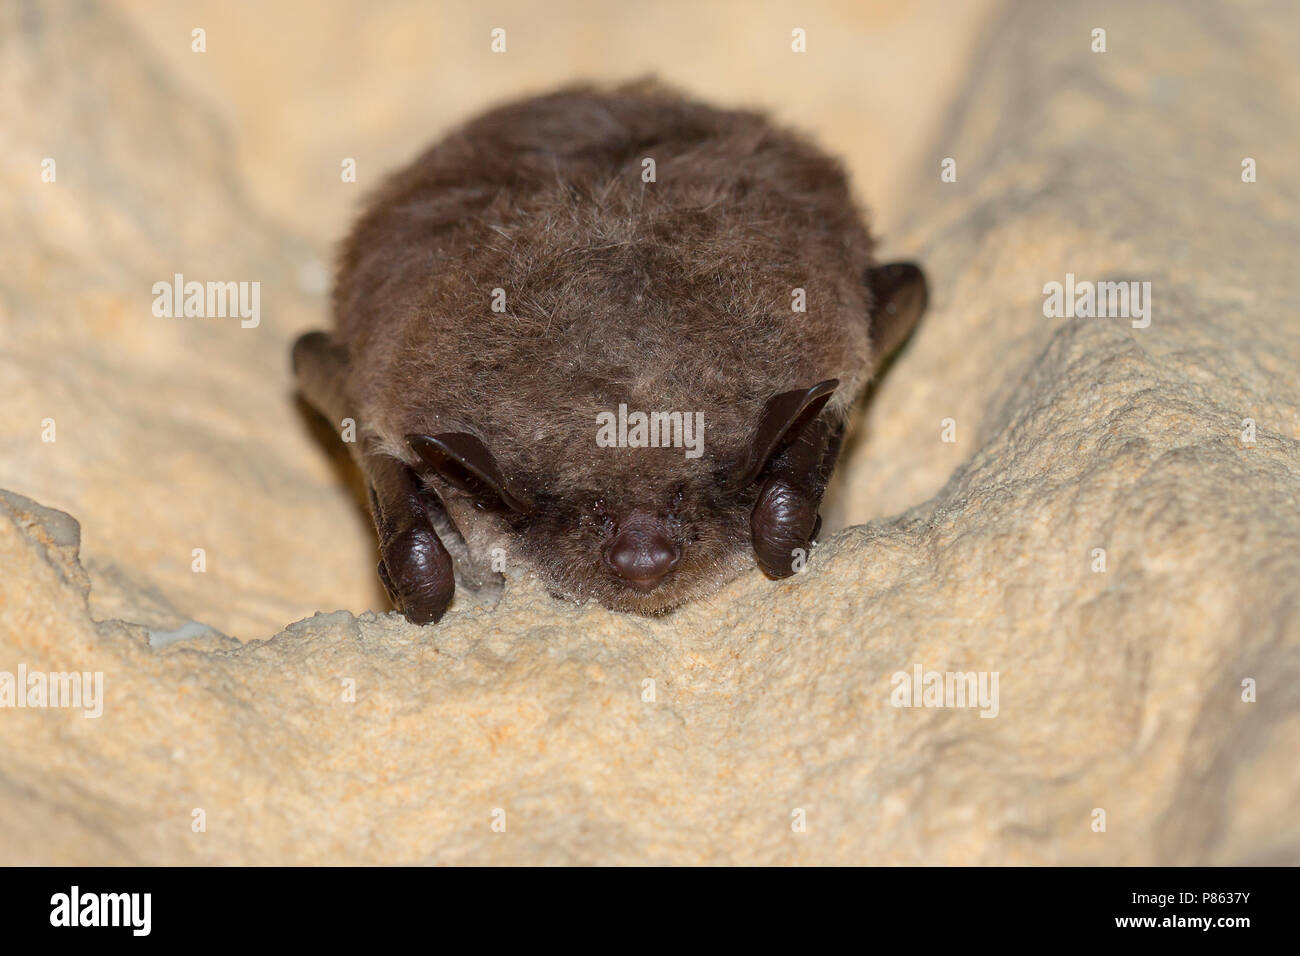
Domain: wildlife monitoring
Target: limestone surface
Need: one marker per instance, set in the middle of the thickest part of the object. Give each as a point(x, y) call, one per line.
point(1096, 517)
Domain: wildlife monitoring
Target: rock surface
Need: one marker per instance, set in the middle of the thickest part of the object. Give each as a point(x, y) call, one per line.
point(710, 735)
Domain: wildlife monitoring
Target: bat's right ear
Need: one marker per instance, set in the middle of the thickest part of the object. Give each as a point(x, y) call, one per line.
point(466, 463)
point(899, 297)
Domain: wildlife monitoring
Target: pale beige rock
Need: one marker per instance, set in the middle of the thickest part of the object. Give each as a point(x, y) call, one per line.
point(1119, 690)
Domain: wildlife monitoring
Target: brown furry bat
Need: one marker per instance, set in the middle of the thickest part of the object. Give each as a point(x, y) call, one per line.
point(522, 310)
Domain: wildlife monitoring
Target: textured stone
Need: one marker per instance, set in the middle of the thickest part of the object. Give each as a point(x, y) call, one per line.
point(1119, 690)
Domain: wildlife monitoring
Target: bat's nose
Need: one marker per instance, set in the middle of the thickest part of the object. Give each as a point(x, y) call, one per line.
point(642, 554)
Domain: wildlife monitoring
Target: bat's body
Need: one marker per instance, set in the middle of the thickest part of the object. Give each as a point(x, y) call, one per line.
point(508, 292)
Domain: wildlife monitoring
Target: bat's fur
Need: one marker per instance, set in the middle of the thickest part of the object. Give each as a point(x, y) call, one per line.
point(673, 295)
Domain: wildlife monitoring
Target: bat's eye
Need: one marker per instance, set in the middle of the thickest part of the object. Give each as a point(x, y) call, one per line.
point(600, 517)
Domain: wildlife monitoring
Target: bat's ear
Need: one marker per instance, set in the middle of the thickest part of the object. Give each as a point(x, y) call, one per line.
point(466, 463)
point(899, 295)
point(784, 417)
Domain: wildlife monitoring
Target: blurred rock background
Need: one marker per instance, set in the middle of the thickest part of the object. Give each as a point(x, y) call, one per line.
point(1162, 689)
point(300, 86)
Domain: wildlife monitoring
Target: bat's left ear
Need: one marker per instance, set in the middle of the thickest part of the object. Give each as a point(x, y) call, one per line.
point(899, 296)
point(784, 418)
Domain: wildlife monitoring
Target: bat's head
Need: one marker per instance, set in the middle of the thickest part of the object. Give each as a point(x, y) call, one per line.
point(644, 508)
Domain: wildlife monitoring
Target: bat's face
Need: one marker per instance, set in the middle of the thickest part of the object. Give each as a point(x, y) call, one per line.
point(645, 553)
point(647, 528)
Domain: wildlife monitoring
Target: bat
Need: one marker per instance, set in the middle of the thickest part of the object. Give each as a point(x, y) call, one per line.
point(611, 336)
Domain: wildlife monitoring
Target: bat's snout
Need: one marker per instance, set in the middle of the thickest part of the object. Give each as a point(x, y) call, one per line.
point(641, 553)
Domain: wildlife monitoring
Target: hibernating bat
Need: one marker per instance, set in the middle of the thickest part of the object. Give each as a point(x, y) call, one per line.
point(611, 336)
